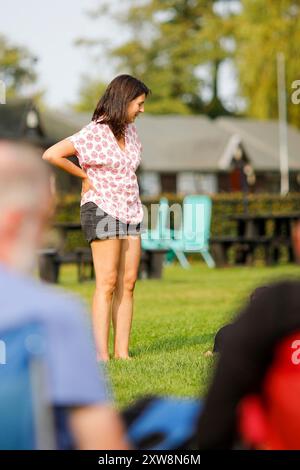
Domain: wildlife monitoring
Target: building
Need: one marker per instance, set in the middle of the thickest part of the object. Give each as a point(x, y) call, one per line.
point(194, 154)
point(187, 154)
point(181, 154)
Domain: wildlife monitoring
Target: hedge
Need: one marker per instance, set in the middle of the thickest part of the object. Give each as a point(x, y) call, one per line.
point(224, 205)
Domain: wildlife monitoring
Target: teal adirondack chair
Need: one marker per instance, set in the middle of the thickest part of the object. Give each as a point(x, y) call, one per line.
point(159, 237)
point(193, 235)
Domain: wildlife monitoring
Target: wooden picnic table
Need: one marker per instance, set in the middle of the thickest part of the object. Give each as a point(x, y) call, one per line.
point(64, 228)
point(253, 230)
point(50, 259)
point(255, 225)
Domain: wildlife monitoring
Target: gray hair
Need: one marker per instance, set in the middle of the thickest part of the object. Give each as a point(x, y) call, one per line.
point(25, 180)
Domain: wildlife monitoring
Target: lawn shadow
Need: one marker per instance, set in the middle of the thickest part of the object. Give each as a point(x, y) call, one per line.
point(172, 344)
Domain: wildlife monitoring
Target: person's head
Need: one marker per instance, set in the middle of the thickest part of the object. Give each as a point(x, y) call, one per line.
point(26, 204)
point(121, 103)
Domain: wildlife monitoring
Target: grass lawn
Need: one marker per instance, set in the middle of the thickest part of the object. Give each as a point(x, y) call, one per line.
point(175, 320)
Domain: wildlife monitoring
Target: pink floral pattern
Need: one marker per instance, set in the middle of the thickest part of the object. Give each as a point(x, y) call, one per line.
point(111, 170)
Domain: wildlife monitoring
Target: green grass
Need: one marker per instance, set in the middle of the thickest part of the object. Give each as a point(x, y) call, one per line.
point(175, 320)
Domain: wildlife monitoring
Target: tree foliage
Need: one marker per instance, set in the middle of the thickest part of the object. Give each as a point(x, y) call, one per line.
point(172, 39)
point(16, 67)
point(262, 30)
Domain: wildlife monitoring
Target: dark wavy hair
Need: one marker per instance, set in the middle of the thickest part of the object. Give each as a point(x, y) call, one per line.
point(112, 106)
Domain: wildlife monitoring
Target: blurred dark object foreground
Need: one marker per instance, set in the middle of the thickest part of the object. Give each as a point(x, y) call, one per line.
point(259, 349)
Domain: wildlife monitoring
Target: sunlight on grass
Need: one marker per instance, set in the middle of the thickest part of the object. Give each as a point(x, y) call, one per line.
point(175, 320)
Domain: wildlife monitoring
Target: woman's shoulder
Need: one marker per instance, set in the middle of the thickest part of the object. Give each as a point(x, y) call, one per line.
point(96, 128)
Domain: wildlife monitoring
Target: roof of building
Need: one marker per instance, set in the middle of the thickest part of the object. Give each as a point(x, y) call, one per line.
point(20, 120)
point(261, 141)
point(171, 143)
point(190, 143)
point(179, 143)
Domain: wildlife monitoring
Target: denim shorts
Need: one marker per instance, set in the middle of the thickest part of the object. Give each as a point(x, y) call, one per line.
point(98, 225)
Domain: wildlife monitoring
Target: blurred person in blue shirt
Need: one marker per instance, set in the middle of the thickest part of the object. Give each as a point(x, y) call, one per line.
point(77, 386)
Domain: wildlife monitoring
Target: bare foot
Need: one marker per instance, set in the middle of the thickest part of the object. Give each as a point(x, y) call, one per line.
point(102, 358)
point(208, 354)
point(126, 358)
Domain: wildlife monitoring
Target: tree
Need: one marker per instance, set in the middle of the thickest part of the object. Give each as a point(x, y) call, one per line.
point(186, 34)
point(170, 40)
point(262, 30)
point(16, 67)
point(90, 92)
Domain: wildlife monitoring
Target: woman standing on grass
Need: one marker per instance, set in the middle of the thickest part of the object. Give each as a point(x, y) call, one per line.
point(111, 213)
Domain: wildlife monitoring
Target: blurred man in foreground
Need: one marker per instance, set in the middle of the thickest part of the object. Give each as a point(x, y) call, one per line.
point(84, 416)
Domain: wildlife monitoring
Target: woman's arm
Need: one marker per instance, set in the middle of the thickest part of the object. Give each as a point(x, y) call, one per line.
point(56, 155)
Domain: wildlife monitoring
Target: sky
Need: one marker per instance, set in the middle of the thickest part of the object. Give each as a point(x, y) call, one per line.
point(49, 28)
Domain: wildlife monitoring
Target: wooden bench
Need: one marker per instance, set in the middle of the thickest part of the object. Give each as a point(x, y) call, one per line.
point(252, 230)
point(151, 265)
point(48, 264)
point(84, 260)
point(244, 249)
point(50, 261)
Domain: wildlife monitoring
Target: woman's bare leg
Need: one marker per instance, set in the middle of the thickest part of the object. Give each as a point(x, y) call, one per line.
point(122, 307)
point(106, 258)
